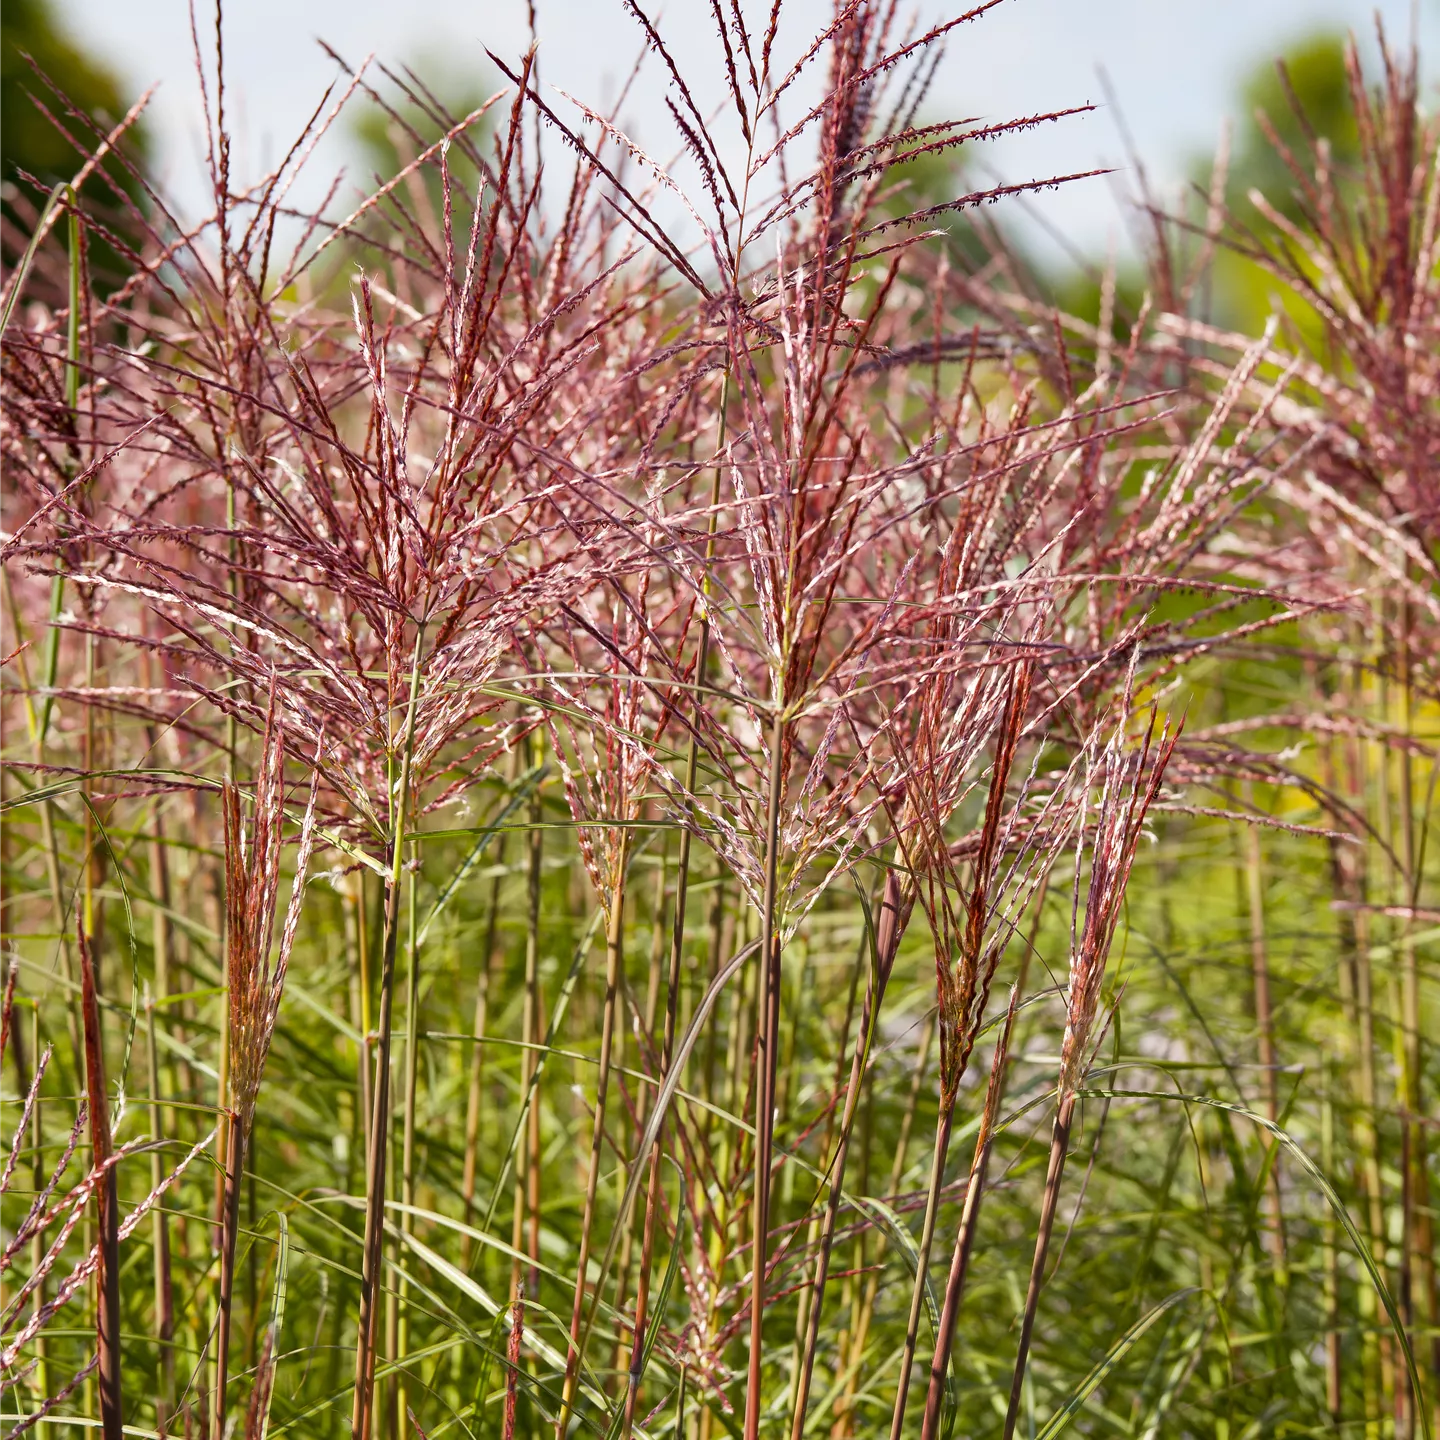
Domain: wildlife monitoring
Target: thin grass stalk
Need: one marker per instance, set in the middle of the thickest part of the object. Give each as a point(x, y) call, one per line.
point(677, 940)
point(364, 1075)
point(889, 930)
point(833, 1126)
point(252, 1277)
point(735, 1152)
point(357, 938)
point(512, 1366)
point(49, 844)
point(710, 1236)
point(232, 740)
point(814, 1228)
point(27, 1087)
point(364, 1397)
point(92, 855)
point(785, 1088)
point(37, 1246)
point(722, 929)
point(160, 1225)
point(6, 890)
point(387, 1406)
point(1368, 1137)
point(1334, 1395)
point(614, 962)
point(1059, 1144)
point(864, 1309)
point(1392, 865)
point(1348, 884)
point(218, 1318)
point(635, 1365)
point(533, 1159)
point(634, 1371)
point(731, 1157)
point(475, 1093)
point(1418, 1228)
point(225, 1221)
point(645, 1024)
point(107, 1206)
point(625, 1229)
point(943, 1125)
point(768, 1035)
point(229, 1233)
point(40, 725)
point(407, 1158)
point(92, 873)
point(529, 1056)
point(658, 971)
point(969, 1222)
point(850, 1344)
point(72, 402)
point(1378, 1344)
point(1265, 1042)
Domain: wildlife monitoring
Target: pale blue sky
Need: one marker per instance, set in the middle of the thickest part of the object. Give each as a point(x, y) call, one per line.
point(1175, 66)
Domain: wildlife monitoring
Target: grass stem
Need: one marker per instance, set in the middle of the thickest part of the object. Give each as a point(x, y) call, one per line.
point(375, 1182)
point(1059, 1144)
point(614, 963)
point(768, 1034)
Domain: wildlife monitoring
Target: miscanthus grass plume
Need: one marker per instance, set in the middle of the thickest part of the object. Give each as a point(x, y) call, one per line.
point(704, 641)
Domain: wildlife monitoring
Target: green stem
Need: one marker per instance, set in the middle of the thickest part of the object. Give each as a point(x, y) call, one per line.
point(527, 1186)
point(475, 1096)
point(229, 1230)
point(37, 1248)
point(969, 1220)
point(407, 1171)
point(614, 960)
point(943, 1124)
point(864, 1309)
point(677, 950)
point(159, 1223)
point(768, 1030)
point(888, 935)
point(364, 1397)
point(1059, 1143)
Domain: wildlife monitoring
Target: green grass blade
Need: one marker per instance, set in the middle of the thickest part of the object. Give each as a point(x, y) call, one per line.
point(1117, 1352)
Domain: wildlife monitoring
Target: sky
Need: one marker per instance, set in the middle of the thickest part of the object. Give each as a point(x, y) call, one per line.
point(1174, 68)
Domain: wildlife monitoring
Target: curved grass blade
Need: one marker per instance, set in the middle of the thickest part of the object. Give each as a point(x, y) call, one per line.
point(667, 1285)
point(277, 1314)
point(664, 1096)
point(17, 279)
point(1117, 1352)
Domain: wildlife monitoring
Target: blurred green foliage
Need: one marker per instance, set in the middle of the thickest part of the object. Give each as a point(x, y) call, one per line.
point(1303, 102)
point(1305, 98)
point(438, 98)
point(30, 144)
point(35, 154)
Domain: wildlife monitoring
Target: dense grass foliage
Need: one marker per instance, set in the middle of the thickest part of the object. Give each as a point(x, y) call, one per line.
point(648, 798)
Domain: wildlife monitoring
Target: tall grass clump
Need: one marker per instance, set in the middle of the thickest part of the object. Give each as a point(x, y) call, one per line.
point(706, 652)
